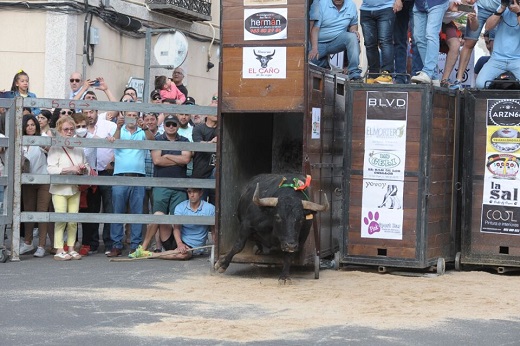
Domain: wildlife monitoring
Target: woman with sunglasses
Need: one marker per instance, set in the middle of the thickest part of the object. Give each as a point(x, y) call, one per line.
point(57, 114)
point(36, 197)
point(66, 197)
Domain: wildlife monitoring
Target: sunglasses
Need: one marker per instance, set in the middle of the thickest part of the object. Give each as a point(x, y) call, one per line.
point(170, 124)
point(215, 98)
point(68, 129)
point(81, 126)
point(66, 112)
point(72, 80)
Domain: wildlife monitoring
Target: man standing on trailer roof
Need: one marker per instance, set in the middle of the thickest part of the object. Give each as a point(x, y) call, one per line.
point(334, 29)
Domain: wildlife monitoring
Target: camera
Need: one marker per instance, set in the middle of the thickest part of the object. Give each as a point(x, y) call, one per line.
point(507, 3)
point(95, 83)
point(466, 8)
point(130, 121)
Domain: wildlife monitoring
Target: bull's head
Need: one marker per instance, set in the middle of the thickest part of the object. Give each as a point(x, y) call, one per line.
point(273, 201)
point(289, 217)
point(264, 59)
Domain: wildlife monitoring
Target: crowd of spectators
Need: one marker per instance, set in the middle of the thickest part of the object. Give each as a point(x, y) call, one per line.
point(65, 242)
point(404, 38)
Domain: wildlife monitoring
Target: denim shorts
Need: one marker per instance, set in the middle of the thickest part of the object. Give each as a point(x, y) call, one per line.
point(483, 15)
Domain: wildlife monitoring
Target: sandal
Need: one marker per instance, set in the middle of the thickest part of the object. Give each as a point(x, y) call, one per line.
point(62, 256)
point(75, 255)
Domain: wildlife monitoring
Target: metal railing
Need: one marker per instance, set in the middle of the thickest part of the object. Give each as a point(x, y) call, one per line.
point(13, 177)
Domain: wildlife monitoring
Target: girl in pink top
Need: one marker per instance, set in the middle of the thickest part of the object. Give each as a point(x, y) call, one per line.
point(169, 90)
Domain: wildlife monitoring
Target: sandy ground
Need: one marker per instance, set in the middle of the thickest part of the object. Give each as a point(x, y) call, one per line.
point(242, 305)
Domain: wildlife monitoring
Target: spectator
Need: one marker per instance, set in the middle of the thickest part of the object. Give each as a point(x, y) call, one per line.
point(155, 97)
point(403, 24)
point(485, 8)
point(451, 38)
point(178, 78)
point(65, 197)
point(167, 164)
point(506, 49)
point(328, 21)
point(76, 81)
point(43, 119)
point(150, 121)
point(168, 90)
point(131, 92)
point(20, 87)
point(204, 163)
point(101, 128)
point(128, 163)
point(489, 39)
point(377, 21)
point(186, 130)
point(90, 231)
point(185, 237)
point(36, 197)
point(427, 16)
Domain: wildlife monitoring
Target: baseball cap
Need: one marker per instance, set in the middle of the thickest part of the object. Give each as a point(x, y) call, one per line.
point(171, 118)
point(155, 95)
point(189, 101)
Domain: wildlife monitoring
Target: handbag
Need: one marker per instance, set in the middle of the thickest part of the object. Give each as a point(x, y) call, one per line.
point(84, 188)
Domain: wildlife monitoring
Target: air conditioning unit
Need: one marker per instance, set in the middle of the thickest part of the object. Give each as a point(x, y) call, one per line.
point(192, 10)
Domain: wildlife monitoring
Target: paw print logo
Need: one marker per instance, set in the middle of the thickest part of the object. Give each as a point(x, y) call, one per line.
point(371, 222)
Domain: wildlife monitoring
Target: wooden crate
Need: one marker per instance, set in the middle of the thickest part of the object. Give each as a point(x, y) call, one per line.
point(484, 248)
point(428, 225)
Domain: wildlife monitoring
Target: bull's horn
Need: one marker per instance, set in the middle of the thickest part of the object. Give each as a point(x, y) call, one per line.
point(315, 206)
point(263, 202)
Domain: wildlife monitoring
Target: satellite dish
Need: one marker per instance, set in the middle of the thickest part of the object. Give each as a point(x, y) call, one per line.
point(171, 49)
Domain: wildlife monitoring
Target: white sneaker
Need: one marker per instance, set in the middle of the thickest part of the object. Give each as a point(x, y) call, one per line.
point(40, 252)
point(26, 248)
point(421, 78)
point(436, 82)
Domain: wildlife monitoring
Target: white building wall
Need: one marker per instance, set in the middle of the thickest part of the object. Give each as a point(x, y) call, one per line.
point(49, 46)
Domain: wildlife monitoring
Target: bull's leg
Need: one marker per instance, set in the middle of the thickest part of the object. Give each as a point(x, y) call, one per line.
point(222, 264)
point(284, 276)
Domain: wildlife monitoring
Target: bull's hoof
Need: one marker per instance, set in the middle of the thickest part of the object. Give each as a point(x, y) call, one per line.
point(284, 281)
point(220, 267)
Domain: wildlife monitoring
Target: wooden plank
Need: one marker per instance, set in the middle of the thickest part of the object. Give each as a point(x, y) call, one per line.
point(262, 95)
point(233, 26)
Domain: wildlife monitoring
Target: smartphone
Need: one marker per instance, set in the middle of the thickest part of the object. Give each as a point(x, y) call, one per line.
point(130, 121)
point(96, 83)
point(466, 8)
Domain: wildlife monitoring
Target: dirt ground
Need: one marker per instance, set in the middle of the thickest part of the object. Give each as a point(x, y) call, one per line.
point(347, 297)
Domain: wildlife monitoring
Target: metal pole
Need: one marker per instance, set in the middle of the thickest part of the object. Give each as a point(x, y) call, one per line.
point(17, 185)
point(147, 58)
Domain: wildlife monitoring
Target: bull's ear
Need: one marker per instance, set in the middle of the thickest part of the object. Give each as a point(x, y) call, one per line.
point(263, 202)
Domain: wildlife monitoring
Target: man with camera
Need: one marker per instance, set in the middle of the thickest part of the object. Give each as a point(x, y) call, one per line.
point(506, 49)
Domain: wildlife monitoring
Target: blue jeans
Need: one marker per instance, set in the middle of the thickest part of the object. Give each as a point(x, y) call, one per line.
point(378, 32)
point(345, 42)
point(426, 28)
point(493, 68)
point(404, 20)
point(121, 197)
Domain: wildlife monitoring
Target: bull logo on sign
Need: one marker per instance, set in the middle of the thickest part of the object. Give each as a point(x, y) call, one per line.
point(264, 59)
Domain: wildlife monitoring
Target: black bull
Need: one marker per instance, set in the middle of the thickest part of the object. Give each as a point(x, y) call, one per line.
point(273, 217)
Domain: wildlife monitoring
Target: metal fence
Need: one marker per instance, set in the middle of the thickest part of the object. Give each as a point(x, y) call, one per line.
point(12, 177)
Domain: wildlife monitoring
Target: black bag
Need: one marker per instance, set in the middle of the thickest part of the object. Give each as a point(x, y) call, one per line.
point(506, 81)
